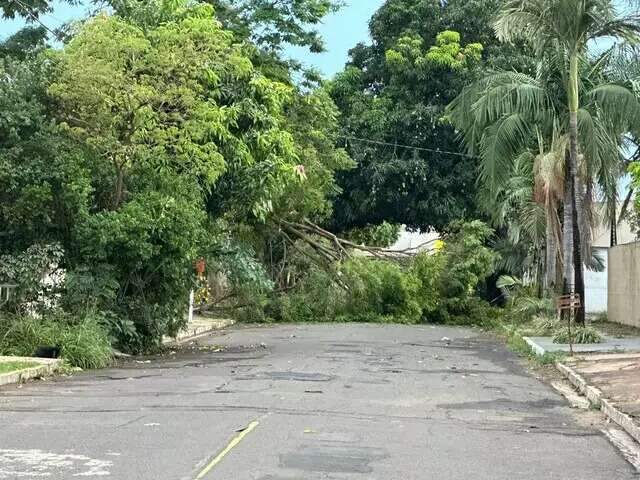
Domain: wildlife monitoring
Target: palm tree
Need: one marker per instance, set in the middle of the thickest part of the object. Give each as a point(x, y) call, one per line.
point(559, 31)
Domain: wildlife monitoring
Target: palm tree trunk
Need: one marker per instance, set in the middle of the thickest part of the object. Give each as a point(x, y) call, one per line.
point(551, 253)
point(567, 232)
point(576, 195)
point(614, 228)
point(578, 264)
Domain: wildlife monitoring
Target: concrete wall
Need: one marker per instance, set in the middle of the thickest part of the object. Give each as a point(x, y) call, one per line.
point(624, 284)
point(595, 285)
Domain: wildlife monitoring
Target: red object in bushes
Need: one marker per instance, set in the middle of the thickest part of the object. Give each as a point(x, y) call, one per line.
point(201, 266)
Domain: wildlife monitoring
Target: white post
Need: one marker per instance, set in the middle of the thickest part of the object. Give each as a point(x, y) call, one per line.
point(191, 300)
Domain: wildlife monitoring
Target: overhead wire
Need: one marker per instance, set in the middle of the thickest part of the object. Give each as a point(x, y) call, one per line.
point(409, 147)
point(30, 12)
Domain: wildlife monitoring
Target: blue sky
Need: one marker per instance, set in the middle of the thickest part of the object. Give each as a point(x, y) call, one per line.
point(340, 31)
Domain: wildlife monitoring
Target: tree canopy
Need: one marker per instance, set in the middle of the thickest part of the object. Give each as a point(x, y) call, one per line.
point(149, 139)
point(30, 9)
point(393, 94)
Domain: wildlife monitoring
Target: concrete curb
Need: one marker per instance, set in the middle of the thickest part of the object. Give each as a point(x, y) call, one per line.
point(537, 349)
point(47, 367)
point(595, 396)
point(196, 332)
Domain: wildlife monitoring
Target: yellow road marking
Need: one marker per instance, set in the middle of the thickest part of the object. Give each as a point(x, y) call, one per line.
point(232, 444)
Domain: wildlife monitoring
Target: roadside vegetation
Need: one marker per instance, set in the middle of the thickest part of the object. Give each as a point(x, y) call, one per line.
point(162, 147)
point(8, 367)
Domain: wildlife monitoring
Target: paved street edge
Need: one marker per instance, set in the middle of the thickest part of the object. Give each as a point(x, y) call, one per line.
point(595, 396)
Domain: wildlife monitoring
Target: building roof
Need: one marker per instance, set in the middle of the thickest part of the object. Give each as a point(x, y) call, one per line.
point(415, 240)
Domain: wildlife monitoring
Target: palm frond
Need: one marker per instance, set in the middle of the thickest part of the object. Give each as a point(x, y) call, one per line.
point(500, 144)
point(618, 104)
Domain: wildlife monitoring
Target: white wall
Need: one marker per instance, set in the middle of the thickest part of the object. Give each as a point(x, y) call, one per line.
point(624, 284)
point(595, 285)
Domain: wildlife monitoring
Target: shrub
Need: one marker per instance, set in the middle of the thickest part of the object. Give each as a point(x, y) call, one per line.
point(545, 325)
point(528, 306)
point(83, 343)
point(27, 270)
point(450, 278)
point(317, 298)
point(582, 335)
point(429, 269)
point(472, 311)
point(468, 260)
point(143, 252)
point(381, 290)
point(525, 306)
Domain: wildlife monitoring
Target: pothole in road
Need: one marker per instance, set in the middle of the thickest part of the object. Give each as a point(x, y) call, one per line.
point(332, 459)
point(504, 404)
point(197, 356)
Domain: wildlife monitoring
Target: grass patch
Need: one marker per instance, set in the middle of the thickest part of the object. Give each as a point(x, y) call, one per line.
point(6, 367)
point(83, 342)
point(514, 334)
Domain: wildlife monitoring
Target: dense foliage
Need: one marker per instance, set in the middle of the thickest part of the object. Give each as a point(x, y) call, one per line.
point(148, 141)
point(393, 94)
point(552, 142)
point(169, 146)
point(436, 287)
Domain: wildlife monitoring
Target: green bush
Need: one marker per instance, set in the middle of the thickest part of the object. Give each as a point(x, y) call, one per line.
point(472, 311)
point(468, 260)
point(545, 325)
point(318, 298)
point(26, 270)
point(381, 290)
point(428, 269)
point(581, 335)
point(143, 254)
point(83, 343)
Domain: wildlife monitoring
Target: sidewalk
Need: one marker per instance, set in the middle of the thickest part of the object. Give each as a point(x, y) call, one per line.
point(611, 381)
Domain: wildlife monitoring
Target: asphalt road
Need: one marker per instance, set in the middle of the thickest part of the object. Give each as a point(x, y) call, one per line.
point(305, 403)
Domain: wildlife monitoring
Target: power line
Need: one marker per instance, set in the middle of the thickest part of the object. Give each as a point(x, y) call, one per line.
point(31, 13)
point(423, 149)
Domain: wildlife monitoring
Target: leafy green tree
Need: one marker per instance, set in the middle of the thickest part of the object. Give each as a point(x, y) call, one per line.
point(172, 115)
point(44, 177)
point(266, 27)
point(30, 9)
point(274, 25)
point(393, 95)
point(312, 119)
point(24, 43)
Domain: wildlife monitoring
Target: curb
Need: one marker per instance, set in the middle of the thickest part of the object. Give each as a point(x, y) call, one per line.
point(537, 349)
point(595, 396)
point(47, 367)
point(195, 333)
